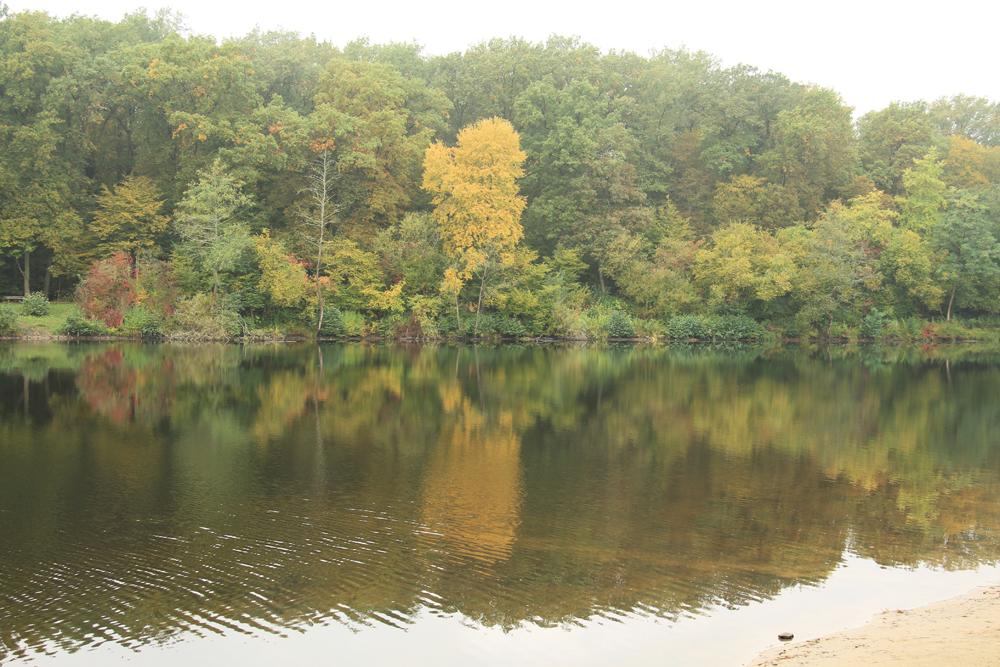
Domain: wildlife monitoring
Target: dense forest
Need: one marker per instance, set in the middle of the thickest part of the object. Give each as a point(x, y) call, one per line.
point(164, 181)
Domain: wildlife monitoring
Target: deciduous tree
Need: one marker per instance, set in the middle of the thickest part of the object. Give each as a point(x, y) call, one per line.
point(128, 216)
point(921, 208)
point(890, 139)
point(283, 278)
point(972, 263)
point(743, 265)
point(836, 271)
point(475, 192)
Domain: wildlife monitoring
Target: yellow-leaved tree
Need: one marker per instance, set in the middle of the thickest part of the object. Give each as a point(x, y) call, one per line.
point(282, 278)
point(128, 217)
point(477, 205)
point(743, 264)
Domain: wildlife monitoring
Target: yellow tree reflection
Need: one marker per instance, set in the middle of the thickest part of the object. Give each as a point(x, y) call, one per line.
point(473, 484)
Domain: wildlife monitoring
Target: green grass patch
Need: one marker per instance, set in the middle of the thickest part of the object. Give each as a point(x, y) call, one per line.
point(46, 325)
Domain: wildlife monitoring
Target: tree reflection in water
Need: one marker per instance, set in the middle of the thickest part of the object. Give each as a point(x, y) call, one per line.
point(147, 492)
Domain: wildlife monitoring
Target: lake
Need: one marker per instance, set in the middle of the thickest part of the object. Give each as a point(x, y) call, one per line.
point(453, 505)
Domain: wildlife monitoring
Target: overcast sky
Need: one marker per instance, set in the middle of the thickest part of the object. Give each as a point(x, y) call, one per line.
point(871, 52)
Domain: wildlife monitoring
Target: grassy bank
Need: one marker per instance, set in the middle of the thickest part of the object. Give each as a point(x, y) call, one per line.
point(46, 326)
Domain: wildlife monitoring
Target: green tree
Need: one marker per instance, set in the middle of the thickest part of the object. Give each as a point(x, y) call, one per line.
point(411, 253)
point(909, 264)
point(560, 128)
point(890, 140)
point(583, 188)
point(814, 153)
point(381, 124)
point(612, 201)
point(201, 99)
point(741, 115)
point(42, 188)
point(972, 263)
point(921, 208)
point(208, 221)
point(662, 283)
point(487, 80)
point(974, 118)
point(836, 271)
point(286, 65)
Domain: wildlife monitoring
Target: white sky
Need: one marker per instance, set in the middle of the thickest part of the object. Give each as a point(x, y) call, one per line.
point(872, 52)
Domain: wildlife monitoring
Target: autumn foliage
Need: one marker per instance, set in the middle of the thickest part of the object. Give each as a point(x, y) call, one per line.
point(109, 288)
point(478, 205)
point(113, 286)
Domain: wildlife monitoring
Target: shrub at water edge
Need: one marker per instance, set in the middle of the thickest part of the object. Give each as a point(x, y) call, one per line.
point(8, 320)
point(620, 325)
point(333, 323)
point(139, 321)
point(78, 325)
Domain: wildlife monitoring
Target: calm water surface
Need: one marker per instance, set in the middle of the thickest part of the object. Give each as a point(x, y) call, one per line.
point(167, 504)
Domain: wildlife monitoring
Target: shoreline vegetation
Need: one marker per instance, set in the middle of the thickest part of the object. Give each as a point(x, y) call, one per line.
point(273, 186)
point(61, 322)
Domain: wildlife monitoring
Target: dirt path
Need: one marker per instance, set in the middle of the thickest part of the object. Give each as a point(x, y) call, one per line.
point(963, 631)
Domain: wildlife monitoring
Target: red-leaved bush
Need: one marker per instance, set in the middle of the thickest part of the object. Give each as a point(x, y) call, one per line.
point(116, 284)
point(109, 288)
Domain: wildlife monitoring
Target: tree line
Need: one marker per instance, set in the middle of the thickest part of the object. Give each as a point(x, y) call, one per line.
point(545, 188)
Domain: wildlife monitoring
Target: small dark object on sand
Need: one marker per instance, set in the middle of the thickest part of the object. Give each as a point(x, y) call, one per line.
point(786, 636)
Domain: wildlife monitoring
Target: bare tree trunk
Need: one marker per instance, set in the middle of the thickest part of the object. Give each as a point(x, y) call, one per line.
point(319, 295)
point(482, 289)
point(458, 315)
point(600, 274)
point(48, 281)
point(27, 272)
point(829, 327)
point(215, 266)
point(319, 252)
point(954, 286)
point(321, 180)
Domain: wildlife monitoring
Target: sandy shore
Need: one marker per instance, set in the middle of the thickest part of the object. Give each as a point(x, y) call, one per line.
point(963, 631)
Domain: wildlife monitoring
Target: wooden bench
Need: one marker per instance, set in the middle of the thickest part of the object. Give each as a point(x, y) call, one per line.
point(14, 298)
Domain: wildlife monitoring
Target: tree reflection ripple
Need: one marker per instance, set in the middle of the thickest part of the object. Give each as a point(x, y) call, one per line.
point(150, 493)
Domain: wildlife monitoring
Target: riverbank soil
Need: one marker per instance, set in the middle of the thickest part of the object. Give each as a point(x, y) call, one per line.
point(962, 631)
